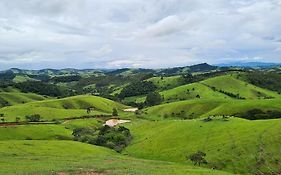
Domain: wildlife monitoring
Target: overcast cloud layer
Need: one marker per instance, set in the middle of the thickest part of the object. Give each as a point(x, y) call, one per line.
point(137, 33)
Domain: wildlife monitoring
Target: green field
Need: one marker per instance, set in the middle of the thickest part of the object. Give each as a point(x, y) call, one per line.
point(192, 117)
point(23, 78)
point(13, 98)
point(79, 123)
point(230, 83)
point(167, 82)
point(62, 108)
point(192, 91)
point(212, 88)
point(203, 108)
point(68, 157)
point(35, 132)
point(237, 145)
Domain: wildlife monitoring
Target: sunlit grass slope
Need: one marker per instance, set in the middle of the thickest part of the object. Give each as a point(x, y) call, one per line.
point(192, 91)
point(220, 87)
point(237, 145)
point(167, 82)
point(68, 157)
point(203, 108)
point(229, 83)
point(34, 132)
point(62, 108)
point(13, 98)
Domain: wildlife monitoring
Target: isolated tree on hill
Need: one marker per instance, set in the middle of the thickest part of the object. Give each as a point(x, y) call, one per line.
point(198, 158)
point(17, 119)
point(33, 118)
point(114, 112)
point(153, 98)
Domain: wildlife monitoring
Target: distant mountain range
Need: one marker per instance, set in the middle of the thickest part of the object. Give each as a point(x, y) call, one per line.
point(198, 68)
point(249, 64)
point(204, 67)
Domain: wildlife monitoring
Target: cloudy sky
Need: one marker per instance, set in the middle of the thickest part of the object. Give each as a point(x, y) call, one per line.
point(39, 34)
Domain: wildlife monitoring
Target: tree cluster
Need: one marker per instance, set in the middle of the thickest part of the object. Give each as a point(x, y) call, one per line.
point(258, 114)
point(65, 79)
point(268, 80)
point(153, 98)
point(33, 118)
point(42, 88)
point(114, 138)
point(137, 88)
point(232, 95)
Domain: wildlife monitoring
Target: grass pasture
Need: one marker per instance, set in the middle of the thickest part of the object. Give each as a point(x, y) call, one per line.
point(68, 157)
point(237, 145)
point(230, 83)
point(13, 98)
point(191, 91)
point(62, 108)
point(167, 82)
point(190, 109)
point(35, 132)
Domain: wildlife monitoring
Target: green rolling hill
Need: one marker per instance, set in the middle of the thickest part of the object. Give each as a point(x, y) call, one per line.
point(167, 82)
point(192, 91)
point(200, 116)
point(220, 87)
point(13, 98)
point(236, 145)
point(190, 109)
point(68, 157)
point(229, 83)
point(35, 132)
point(62, 108)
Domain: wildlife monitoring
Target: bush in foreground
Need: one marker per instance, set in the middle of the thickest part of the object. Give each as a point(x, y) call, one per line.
point(114, 138)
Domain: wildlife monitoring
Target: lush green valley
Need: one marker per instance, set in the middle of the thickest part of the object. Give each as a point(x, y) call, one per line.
point(188, 120)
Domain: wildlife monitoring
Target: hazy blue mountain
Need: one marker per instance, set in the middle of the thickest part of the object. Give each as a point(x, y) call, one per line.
point(249, 64)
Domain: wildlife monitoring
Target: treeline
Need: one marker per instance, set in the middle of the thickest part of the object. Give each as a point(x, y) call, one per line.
point(137, 88)
point(268, 80)
point(114, 138)
point(8, 75)
point(258, 114)
point(42, 88)
point(232, 95)
point(65, 79)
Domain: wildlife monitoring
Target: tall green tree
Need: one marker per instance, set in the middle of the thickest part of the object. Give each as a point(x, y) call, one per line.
point(198, 158)
point(114, 112)
point(153, 98)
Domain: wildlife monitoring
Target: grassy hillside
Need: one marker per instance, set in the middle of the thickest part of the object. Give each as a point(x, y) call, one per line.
point(34, 132)
point(80, 102)
point(13, 98)
point(229, 83)
point(8, 89)
point(167, 82)
point(237, 145)
point(68, 157)
point(79, 123)
point(192, 91)
point(206, 107)
point(22, 78)
point(61, 108)
point(220, 87)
